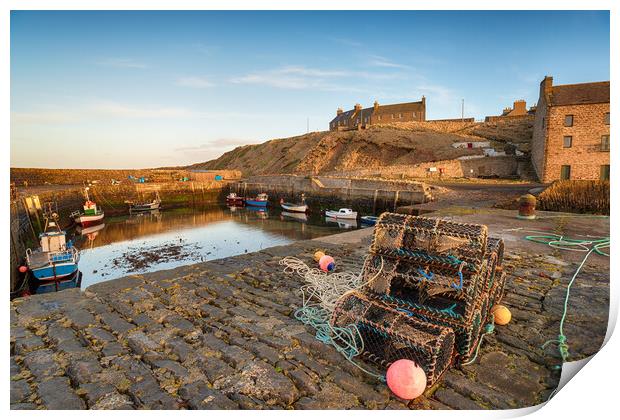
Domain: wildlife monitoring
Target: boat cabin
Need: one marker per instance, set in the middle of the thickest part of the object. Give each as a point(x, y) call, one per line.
point(53, 241)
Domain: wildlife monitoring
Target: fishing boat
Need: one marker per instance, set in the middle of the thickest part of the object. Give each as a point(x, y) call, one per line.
point(341, 214)
point(369, 220)
point(90, 215)
point(233, 199)
point(297, 208)
point(56, 258)
point(261, 200)
point(148, 206)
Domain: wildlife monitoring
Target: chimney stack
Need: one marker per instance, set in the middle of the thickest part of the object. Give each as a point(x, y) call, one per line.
point(376, 105)
point(358, 107)
point(519, 107)
point(339, 111)
point(546, 86)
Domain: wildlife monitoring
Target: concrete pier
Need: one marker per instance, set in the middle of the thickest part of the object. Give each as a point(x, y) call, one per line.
point(222, 335)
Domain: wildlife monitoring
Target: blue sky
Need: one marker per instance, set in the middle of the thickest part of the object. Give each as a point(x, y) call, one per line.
point(104, 89)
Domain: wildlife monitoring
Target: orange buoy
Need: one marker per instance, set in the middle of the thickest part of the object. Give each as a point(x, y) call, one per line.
point(501, 314)
point(318, 255)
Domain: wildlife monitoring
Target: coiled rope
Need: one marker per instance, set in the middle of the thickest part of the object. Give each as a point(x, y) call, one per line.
point(319, 297)
point(595, 245)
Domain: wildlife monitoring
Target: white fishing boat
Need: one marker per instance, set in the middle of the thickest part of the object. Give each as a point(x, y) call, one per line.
point(341, 214)
point(297, 208)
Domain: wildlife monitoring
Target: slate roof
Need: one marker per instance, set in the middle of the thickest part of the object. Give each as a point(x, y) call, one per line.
point(582, 93)
point(383, 109)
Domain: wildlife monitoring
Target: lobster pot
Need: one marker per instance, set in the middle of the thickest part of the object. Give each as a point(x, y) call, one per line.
point(422, 237)
point(434, 254)
point(498, 289)
point(466, 334)
point(495, 259)
point(388, 335)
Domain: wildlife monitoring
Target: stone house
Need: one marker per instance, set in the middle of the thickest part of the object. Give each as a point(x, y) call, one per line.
point(571, 131)
point(359, 117)
point(519, 109)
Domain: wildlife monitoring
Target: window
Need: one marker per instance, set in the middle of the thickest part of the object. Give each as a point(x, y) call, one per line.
point(392, 116)
point(568, 121)
point(568, 141)
point(605, 143)
point(565, 172)
point(413, 114)
point(607, 118)
point(604, 172)
point(379, 117)
point(400, 115)
point(542, 123)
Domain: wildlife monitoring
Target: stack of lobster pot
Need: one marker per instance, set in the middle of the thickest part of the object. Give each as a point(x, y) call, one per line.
point(431, 272)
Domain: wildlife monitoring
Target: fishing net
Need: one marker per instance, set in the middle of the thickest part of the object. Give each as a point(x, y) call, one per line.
point(389, 334)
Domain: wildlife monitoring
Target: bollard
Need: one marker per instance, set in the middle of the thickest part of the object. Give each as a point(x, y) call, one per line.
point(527, 207)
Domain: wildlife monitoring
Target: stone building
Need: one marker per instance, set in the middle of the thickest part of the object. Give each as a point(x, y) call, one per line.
point(519, 109)
point(571, 131)
point(359, 117)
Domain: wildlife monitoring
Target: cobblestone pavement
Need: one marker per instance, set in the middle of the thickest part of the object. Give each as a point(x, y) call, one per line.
point(221, 335)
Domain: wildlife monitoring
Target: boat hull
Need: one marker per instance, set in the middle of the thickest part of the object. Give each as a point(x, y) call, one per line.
point(54, 272)
point(256, 203)
point(369, 220)
point(296, 208)
point(69, 282)
point(85, 220)
point(144, 207)
point(234, 201)
point(338, 215)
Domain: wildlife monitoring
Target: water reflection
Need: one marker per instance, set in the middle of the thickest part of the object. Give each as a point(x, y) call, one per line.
point(151, 241)
point(341, 223)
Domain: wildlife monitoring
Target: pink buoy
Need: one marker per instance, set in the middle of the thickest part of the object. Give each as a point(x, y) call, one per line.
point(327, 263)
point(23, 268)
point(406, 379)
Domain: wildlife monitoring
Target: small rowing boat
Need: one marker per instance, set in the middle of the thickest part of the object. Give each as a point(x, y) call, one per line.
point(295, 208)
point(341, 214)
point(138, 207)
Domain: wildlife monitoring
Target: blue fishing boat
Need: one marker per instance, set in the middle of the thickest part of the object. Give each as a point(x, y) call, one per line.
point(56, 258)
point(261, 200)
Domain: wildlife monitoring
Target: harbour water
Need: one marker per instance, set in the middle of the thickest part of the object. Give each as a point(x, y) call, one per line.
point(146, 242)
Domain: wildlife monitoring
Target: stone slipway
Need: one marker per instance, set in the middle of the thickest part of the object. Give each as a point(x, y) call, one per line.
point(222, 335)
